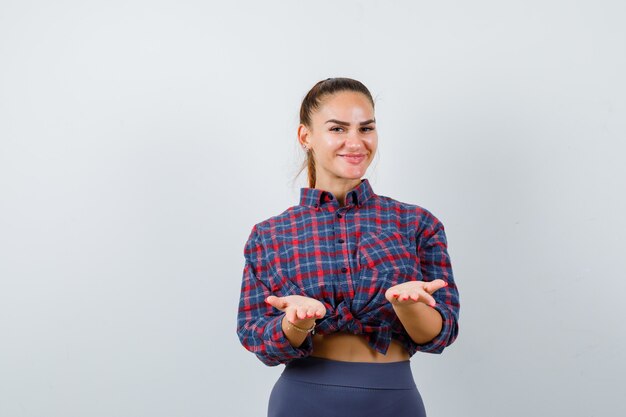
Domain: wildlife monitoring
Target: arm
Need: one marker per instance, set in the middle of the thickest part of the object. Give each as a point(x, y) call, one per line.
point(420, 321)
point(429, 309)
point(259, 325)
point(300, 311)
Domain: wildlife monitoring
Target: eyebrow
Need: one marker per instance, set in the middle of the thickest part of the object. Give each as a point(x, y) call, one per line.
point(339, 122)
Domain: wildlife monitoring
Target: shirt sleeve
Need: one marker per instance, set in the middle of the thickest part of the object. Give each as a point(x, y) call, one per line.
point(435, 264)
point(259, 325)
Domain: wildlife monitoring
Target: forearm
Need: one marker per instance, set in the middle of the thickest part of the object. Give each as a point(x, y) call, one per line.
point(420, 321)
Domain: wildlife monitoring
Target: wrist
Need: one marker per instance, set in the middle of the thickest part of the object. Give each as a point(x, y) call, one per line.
point(295, 336)
point(404, 306)
point(301, 326)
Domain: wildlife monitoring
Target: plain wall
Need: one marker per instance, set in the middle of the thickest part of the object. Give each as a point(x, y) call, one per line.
point(140, 141)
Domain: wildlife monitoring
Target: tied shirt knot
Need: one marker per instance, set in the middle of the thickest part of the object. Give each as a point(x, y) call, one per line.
point(342, 319)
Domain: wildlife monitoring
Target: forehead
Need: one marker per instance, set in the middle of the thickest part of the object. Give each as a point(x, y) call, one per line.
point(345, 105)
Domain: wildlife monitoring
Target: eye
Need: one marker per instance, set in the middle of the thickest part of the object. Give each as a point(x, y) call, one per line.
point(367, 129)
point(336, 129)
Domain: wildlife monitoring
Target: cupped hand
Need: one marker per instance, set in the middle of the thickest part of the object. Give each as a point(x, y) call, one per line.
point(298, 307)
point(414, 292)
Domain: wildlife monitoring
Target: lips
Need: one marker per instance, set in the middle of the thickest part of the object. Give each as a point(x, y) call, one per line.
point(353, 158)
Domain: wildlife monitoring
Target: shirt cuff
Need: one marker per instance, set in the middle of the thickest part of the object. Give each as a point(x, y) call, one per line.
point(449, 330)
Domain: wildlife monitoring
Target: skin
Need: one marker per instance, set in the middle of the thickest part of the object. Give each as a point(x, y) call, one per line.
point(345, 124)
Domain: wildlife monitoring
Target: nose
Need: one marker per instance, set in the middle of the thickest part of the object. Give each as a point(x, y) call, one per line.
point(354, 141)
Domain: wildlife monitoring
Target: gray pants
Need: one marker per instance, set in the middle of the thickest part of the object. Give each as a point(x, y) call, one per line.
point(316, 387)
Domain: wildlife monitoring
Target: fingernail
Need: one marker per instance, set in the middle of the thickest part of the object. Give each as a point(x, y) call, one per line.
point(394, 295)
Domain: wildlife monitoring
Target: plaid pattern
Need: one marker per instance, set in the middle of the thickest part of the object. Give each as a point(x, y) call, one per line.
point(345, 257)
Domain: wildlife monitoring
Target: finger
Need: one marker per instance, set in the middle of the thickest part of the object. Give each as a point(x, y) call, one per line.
point(435, 285)
point(391, 294)
point(310, 312)
point(276, 302)
point(291, 314)
point(415, 296)
point(301, 312)
point(427, 298)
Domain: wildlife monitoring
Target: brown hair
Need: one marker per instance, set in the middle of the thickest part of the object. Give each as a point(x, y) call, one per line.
point(312, 102)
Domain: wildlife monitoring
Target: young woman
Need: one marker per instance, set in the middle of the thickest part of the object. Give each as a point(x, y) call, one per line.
point(346, 286)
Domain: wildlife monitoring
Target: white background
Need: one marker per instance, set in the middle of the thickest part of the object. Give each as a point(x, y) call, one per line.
point(140, 141)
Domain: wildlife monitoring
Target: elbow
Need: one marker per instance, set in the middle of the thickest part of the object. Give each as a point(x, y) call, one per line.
point(445, 338)
point(253, 346)
point(269, 346)
point(449, 338)
point(267, 360)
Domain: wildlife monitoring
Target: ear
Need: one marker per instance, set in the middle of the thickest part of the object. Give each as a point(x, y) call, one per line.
point(303, 135)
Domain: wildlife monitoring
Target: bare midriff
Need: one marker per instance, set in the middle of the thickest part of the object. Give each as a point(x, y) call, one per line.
point(354, 348)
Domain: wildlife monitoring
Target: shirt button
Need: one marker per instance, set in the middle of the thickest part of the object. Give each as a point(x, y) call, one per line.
point(339, 215)
point(344, 269)
point(341, 241)
point(316, 205)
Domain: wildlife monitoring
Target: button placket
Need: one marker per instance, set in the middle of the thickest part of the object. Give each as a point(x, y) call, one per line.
point(346, 272)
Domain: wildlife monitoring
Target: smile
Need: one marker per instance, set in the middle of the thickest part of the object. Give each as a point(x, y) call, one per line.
point(353, 159)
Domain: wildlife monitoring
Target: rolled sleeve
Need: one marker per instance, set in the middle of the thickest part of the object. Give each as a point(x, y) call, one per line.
point(435, 264)
point(277, 345)
point(259, 325)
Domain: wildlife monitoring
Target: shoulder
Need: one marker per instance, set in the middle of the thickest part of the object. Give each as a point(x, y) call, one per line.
point(276, 224)
point(411, 213)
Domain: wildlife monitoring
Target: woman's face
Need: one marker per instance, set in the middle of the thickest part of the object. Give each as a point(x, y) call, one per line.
point(342, 135)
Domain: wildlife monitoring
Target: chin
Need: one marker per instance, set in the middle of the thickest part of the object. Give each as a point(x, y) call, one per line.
point(352, 175)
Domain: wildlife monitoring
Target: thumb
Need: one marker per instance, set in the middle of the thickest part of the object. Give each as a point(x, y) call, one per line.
point(276, 302)
point(435, 285)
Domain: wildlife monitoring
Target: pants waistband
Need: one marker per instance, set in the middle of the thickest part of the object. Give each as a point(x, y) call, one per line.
point(389, 375)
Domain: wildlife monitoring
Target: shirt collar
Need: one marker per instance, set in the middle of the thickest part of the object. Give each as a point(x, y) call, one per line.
point(314, 197)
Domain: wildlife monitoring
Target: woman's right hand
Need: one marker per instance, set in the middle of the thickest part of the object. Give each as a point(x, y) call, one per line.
point(297, 307)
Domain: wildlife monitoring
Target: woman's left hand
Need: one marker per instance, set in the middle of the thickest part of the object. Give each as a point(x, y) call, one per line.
point(414, 292)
